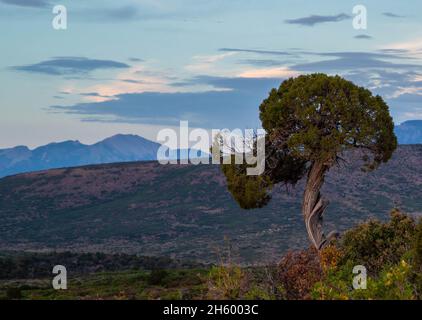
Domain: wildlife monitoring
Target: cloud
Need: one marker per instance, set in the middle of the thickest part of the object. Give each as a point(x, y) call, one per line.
point(406, 107)
point(350, 61)
point(363, 36)
point(124, 13)
point(275, 72)
point(270, 52)
point(133, 59)
point(233, 83)
point(70, 66)
point(411, 47)
point(229, 97)
point(261, 62)
point(235, 106)
point(136, 79)
point(132, 81)
point(92, 94)
point(202, 64)
point(27, 3)
point(393, 51)
point(389, 72)
point(392, 15)
point(412, 91)
point(210, 109)
point(312, 20)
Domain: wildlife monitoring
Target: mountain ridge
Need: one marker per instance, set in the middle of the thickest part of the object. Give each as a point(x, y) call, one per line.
point(72, 153)
point(121, 148)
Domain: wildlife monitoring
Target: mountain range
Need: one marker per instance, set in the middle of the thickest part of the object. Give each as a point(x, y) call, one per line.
point(121, 148)
point(118, 148)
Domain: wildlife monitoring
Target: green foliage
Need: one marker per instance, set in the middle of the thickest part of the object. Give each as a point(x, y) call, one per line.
point(258, 293)
point(319, 116)
point(226, 282)
point(391, 251)
point(177, 284)
point(157, 277)
point(313, 118)
point(249, 191)
point(173, 295)
point(393, 283)
point(234, 282)
point(27, 265)
point(418, 245)
point(375, 244)
point(387, 250)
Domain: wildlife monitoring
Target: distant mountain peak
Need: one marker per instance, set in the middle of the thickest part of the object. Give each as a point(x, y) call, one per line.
point(409, 132)
point(71, 153)
point(412, 123)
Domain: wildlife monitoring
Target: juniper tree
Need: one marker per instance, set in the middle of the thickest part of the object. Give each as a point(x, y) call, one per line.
point(310, 121)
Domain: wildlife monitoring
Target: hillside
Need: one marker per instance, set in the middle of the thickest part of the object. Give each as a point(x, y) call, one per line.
point(117, 208)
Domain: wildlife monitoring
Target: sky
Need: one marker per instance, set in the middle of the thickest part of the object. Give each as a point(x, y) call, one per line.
point(138, 66)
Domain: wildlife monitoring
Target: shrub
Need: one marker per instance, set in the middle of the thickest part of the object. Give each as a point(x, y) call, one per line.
point(376, 245)
point(391, 253)
point(226, 282)
point(392, 284)
point(157, 277)
point(330, 257)
point(298, 273)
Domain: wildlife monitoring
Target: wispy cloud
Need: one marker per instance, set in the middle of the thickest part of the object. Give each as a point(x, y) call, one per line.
point(392, 15)
point(136, 79)
point(277, 72)
point(70, 66)
point(206, 63)
point(133, 59)
point(312, 20)
point(206, 109)
point(349, 61)
point(124, 13)
point(363, 37)
point(411, 47)
point(270, 52)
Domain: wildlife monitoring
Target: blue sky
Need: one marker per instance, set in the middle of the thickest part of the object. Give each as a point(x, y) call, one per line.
point(136, 66)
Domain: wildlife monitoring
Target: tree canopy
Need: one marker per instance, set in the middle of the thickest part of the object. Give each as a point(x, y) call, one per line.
point(310, 121)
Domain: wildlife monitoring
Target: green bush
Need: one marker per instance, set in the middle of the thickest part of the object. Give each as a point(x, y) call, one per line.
point(390, 251)
point(392, 284)
point(226, 282)
point(157, 277)
point(377, 245)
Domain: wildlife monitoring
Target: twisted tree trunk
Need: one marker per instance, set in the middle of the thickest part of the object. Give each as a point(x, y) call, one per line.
point(314, 205)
